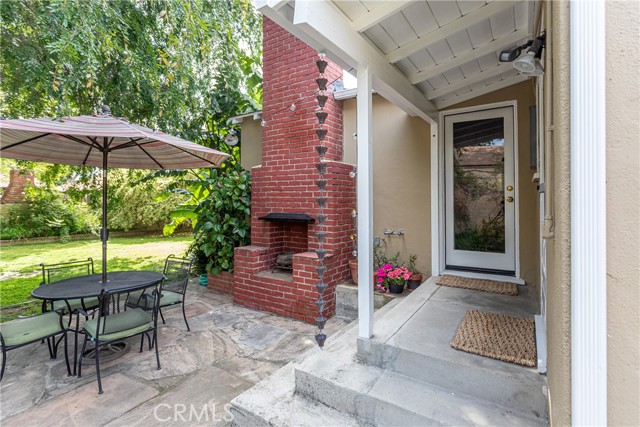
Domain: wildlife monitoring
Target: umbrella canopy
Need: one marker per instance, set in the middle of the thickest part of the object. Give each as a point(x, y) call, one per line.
point(101, 141)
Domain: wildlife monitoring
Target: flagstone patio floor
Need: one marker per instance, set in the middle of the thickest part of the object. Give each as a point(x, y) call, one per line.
point(228, 350)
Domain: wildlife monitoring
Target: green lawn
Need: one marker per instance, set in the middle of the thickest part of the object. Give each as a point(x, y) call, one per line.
point(20, 271)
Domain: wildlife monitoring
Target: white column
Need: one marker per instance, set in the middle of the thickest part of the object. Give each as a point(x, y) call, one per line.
point(435, 200)
point(588, 215)
point(365, 203)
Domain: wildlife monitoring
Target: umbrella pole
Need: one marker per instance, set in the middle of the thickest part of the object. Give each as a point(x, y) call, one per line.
point(104, 233)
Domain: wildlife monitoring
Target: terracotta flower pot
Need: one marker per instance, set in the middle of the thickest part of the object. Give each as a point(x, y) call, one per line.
point(353, 265)
point(415, 280)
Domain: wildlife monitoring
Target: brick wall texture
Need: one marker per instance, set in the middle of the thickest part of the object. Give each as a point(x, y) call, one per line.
point(285, 182)
point(14, 193)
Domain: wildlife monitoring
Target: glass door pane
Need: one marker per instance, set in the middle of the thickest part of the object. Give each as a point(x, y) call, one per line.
point(478, 185)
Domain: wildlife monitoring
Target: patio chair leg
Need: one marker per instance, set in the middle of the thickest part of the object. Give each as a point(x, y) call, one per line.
point(98, 368)
point(79, 356)
point(155, 333)
point(4, 362)
point(50, 346)
point(141, 342)
point(184, 314)
point(66, 354)
point(75, 344)
point(161, 316)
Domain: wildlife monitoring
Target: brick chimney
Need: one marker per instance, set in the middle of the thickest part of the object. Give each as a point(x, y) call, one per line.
point(284, 185)
point(18, 180)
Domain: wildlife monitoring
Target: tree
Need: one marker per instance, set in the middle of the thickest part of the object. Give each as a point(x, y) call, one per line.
point(181, 66)
point(165, 64)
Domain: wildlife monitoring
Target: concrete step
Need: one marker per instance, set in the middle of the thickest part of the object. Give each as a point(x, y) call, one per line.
point(274, 403)
point(419, 348)
point(381, 397)
point(347, 300)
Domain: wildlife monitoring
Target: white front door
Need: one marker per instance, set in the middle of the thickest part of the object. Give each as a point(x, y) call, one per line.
point(480, 226)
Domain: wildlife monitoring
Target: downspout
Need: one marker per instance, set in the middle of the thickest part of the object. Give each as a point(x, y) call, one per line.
point(548, 225)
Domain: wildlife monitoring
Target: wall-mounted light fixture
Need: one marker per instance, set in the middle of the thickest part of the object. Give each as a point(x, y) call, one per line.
point(528, 63)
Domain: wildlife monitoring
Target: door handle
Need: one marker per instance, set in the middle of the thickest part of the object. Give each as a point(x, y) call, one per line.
point(510, 199)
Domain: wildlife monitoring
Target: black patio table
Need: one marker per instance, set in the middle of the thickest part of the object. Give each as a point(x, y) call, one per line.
point(91, 286)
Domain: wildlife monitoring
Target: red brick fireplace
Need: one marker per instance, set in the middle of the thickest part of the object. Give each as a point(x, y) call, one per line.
point(284, 184)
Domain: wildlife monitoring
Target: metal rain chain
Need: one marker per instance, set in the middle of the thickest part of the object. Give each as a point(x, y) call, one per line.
point(321, 200)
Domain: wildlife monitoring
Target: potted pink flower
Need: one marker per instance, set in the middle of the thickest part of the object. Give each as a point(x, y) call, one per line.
point(392, 279)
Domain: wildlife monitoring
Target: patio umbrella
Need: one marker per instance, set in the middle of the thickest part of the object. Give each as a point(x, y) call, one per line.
point(101, 141)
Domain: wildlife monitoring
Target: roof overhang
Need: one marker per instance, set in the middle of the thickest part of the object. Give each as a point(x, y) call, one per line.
point(424, 55)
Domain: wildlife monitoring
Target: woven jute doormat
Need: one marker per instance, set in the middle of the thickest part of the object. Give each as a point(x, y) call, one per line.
point(478, 284)
point(499, 336)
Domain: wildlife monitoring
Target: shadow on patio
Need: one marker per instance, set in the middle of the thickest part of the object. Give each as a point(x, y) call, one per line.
point(229, 349)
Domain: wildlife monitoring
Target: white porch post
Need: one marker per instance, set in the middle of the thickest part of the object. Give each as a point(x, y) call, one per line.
point(588, 215)
point(365, 204)
point(435, 200)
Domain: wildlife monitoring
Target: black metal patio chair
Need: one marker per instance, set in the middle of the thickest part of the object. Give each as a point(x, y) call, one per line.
point(28, 330)
point(174, 286)
point(64, 270)
point(111, 327)
point(52, 273)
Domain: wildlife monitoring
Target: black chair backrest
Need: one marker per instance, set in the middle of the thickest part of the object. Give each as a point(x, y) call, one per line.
point(65, 270)
point(109, 322)
point(176, 271)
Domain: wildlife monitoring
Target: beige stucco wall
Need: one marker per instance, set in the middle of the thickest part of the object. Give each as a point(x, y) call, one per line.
point(559, 247)
point(623, 211)
point(251, 143)
point(524, 94)
point(401, 178)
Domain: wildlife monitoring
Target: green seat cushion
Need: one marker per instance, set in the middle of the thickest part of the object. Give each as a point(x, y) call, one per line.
point(120, 325)
point(75, 304)
point(23, 331)
point(168, 298)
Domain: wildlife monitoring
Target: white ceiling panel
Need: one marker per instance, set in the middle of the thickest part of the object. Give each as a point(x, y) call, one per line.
point(420, 17)
point(463, 90)
point(470, 68)
point(459, 42)
point(510, 73)
point(480, 33)
point(422, 59)
point(467, 6)
point(523, 12)
point(424, 87)
point(479, 85)
point(372, 4)
point(453, 75)
point(445, 11)
point(438, 81)
point(503, 23)
point(440, 51)
point(488, 61)
point(351, 9)
point(407, 67)
point(399, 29)
point(381, 39)
point(494, 79)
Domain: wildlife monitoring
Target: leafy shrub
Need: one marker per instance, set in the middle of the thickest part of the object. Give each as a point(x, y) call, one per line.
point(46, 213)
point(137, 207)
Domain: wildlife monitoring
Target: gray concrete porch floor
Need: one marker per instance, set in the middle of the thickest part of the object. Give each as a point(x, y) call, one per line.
point(405, 374)
point(228, 350)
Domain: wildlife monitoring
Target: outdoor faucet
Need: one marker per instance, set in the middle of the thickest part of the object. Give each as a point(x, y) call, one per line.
point(389, 232)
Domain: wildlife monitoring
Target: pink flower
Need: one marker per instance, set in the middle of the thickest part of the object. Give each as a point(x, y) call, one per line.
point(388, 267)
